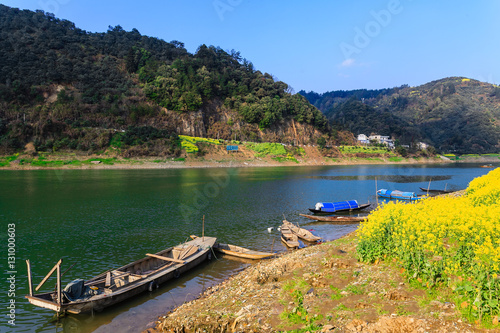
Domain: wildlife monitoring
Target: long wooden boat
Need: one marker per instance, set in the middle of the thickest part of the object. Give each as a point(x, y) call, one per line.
point(434, 191)
point(241, 252)
point(337, 219)
point(399, 195)
point(301, 233)
point(127, 281)
point(335, 207)
point(289, 238)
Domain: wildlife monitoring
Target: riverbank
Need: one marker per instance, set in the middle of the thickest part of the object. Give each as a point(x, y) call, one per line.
point(216, 156)
point(320, 288)
point(72, 161)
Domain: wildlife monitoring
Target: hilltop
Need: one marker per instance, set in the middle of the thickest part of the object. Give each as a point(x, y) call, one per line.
point(66, 89)
point(454, 114)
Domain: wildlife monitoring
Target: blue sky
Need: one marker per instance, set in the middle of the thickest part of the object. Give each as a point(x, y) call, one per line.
point(318, 45)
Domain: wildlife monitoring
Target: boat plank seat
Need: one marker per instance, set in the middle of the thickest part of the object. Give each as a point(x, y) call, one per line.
point(117, 279)
point(188, 252)
point(165, 258)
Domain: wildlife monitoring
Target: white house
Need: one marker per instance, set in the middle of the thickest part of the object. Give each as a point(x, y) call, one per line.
point(363, 139)
point(382, 139)
point(422, 145)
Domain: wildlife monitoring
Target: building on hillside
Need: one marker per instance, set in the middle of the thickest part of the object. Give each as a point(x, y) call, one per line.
point(422, 145)
point(363, 139)
point(385, 140)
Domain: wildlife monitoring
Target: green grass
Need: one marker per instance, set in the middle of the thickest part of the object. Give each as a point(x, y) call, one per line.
point(285, 159)
point(5, 160)
point(355, 289)
point(108, 161)
point(364, 150)
point(43, 163)
point(335, 293)
point(267, 148)
point(188, 143)
point(395, 159)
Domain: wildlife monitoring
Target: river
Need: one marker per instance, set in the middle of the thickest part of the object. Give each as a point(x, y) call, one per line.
point(102, 219)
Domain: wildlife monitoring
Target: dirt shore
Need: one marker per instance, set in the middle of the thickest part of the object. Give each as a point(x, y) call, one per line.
point(209, 162)
point(320, 288)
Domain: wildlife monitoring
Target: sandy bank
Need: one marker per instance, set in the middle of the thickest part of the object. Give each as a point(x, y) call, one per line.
point(321, 288)
point(147, 163)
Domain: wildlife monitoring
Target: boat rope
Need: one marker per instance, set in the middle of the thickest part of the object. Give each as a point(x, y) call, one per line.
point(212, 249)
point(173, 299)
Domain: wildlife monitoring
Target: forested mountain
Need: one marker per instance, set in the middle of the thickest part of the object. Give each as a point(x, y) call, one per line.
point(453, 114)
point(65, 88)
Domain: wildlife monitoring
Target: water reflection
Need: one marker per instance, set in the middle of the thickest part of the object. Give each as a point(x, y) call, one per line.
point(103, 219)
point(387, 178)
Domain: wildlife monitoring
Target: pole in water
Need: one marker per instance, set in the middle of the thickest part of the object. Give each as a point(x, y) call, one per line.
point(203, 230)
point(376, 190)
point(429, 186)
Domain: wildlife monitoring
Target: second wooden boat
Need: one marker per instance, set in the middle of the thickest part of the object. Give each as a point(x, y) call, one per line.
point(289, 238)
point(241, 252)
point(301, 233)
point(337, 219)
point(434, 191)
point(335, 207)
point(125, 282)
point(399, 195)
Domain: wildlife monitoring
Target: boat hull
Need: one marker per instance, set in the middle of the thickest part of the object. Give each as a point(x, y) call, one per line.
point(240, 252)
point(102, 301)
point(337, 219)
point(318, 211)
point(301, 233)
point(435, 191)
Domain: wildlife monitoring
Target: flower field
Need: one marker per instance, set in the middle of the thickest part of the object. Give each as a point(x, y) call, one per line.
point(445, 241)
point(188, 143)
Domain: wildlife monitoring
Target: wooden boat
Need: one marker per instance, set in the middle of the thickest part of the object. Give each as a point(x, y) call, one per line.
point(487, 166)
point(399, 195)
point(127, 281)
point(289, 238)
point(335, 207)
point(434, 191)
point(337, 219)
point(241, 252)
point(301, 233)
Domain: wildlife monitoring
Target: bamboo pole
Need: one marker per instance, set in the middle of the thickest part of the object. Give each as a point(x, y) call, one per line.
point(203, 230)
point(30, 282)
point(429, 186)
point(272, 246)
point(165, 258)
point(48, 275)
point(376, 190)
point(59, 284)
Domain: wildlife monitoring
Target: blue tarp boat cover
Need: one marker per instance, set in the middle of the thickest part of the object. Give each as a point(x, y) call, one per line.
point(396, 194)
point(336, 206)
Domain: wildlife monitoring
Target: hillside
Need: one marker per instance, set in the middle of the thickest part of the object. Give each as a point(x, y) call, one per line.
point(454, 114)
point(63, 88)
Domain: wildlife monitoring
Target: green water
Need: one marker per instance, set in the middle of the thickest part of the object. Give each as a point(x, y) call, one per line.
point(102, 219)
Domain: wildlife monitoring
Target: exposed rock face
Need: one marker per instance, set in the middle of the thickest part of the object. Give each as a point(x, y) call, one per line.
point(216, 121)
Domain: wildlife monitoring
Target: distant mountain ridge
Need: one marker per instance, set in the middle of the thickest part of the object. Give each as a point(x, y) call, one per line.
point(454, 114)
point(64, 88)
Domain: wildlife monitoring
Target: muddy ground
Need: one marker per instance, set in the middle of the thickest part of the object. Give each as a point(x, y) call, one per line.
point(321, 288)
